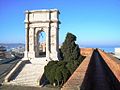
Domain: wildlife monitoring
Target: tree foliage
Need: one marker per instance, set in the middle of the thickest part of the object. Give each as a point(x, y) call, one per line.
point(58, 72)
point(70, 49)
point(50, 70)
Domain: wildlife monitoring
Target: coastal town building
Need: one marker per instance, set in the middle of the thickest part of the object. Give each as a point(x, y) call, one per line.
point(117, 52)
point(2, 52)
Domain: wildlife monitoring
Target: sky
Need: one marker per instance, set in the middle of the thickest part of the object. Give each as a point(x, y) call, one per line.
point(96, 23)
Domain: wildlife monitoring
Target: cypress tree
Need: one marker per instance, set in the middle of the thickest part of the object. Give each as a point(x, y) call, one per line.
point(70, 49)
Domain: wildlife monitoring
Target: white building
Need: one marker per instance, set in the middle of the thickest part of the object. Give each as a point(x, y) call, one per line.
point(117, 52)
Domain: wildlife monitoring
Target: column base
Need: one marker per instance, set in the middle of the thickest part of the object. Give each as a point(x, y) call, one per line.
point(25, 56)
point(28, 55)
point(54, 56)
point(31, 55)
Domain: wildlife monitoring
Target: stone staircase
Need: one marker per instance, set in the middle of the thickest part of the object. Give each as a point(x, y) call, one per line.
point(30, 75)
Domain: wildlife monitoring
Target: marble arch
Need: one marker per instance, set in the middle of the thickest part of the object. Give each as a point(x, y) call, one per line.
point(37, 21)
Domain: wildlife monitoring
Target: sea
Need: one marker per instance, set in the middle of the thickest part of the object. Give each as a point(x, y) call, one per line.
point(109, 50)
point(106, 49)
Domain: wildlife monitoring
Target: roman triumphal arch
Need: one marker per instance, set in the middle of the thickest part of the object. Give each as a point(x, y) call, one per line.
point(37, 21)
point(39, 50)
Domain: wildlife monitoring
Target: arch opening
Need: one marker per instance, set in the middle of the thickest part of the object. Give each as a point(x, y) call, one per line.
point(41, 42)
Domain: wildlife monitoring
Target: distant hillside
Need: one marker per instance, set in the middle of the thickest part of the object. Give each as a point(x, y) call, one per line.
point(12, 45)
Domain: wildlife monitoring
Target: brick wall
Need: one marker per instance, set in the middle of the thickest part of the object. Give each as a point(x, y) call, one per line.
point(112, 64)
point(85, 51)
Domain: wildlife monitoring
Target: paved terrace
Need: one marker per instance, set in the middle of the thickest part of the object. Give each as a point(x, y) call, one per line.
point(99, 71)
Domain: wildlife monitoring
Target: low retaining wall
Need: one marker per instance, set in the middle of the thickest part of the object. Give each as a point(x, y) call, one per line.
point(114, 66)
point(75, 81)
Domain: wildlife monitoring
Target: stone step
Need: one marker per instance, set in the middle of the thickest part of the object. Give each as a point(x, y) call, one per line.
point(32, 78)
point(29, 75)
point(27, 81)
point(24, 83)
